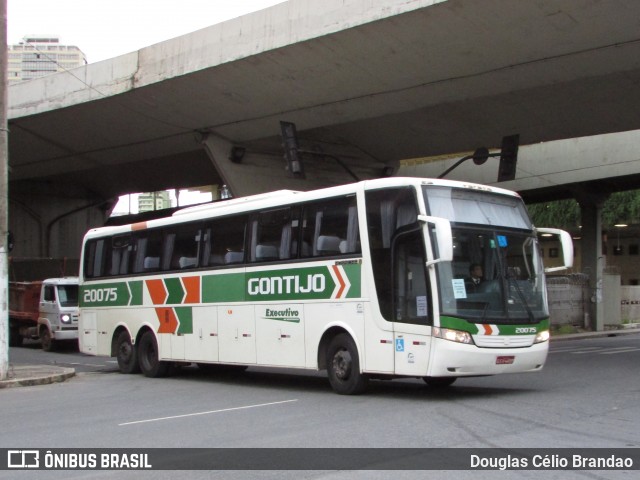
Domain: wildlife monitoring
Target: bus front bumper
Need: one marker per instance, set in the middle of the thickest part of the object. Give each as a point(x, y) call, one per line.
point(451, 359)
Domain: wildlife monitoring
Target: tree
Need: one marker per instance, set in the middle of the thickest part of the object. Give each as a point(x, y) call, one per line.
point(620, 207)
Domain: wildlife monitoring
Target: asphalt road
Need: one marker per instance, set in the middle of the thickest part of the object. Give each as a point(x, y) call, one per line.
point(588, 395)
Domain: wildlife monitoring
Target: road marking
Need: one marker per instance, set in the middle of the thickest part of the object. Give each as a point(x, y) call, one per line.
point(595, 350)
point(620, 350)
point(574, 349)
point(207, 413)
point(86, 364)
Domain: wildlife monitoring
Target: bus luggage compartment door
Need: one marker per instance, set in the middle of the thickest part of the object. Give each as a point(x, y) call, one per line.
point(237, 334)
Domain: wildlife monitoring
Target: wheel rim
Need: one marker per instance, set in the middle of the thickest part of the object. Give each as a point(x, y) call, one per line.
point(149, 356)
point(126, 350)
point(342, 364)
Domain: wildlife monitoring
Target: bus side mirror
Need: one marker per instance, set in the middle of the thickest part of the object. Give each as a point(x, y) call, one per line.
point(565, 243)
point(443, 237)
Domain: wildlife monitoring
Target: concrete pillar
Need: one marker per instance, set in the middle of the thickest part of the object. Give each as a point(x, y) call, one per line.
point(592, 259)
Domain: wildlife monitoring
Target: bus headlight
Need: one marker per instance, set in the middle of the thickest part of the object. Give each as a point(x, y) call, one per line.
point(65, 318)
point(542, 336)
point(457, 336)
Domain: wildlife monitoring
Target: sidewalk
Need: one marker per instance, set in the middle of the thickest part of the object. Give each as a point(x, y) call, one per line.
point(28, 375)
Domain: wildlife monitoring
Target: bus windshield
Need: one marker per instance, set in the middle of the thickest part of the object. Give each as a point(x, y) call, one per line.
point(496, 275)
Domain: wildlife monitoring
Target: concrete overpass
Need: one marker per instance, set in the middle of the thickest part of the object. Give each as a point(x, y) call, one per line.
point(370, 81)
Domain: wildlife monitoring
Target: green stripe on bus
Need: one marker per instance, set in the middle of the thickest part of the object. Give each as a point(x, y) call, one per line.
point(136, 292)
point(354, 271)
point(307, 283)
point(311, 283)
point(227, 287)
point(473, 328)
point(175, 290)
point(185, 317)
point(458, 324)
point(105, 295)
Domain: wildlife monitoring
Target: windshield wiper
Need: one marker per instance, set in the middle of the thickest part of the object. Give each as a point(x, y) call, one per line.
point(523, 300)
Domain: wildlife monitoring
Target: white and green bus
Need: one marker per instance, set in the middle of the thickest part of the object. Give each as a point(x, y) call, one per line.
point(367, 280)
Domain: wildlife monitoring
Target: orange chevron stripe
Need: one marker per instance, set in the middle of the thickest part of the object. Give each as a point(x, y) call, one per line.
point(343, 285)
point(157, 291)
point(168, 320)
point(192, 286)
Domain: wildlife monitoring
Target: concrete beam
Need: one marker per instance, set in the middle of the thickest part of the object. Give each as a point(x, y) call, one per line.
point(259, 172)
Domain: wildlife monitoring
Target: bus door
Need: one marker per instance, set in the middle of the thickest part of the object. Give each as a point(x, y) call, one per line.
point(412, 308)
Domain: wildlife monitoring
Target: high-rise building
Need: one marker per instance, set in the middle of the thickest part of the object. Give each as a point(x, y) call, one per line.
point(40, 55)
point(151, 201)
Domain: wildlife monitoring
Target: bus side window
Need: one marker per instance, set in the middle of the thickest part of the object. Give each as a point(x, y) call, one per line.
point(224, 242)
point(118, 256)
point(148, 250)
point(181, 247)
point(330, 227)
point(93, 258)
point(271, 235)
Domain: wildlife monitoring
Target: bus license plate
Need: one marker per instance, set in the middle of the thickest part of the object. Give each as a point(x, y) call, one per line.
point(505, 360)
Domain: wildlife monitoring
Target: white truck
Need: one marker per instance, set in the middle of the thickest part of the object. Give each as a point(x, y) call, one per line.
point(45, 310)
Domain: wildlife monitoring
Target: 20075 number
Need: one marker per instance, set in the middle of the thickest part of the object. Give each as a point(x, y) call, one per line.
point(100, 295)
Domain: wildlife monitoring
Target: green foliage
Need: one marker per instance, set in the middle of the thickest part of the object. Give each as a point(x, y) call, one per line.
point(560, 214)
point(621, 207)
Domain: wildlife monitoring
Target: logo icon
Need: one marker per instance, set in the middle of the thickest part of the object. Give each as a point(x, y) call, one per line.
point(23, 459)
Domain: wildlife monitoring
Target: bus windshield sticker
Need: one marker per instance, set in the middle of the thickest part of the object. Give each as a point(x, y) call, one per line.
point(421, 305)
point(459, 290)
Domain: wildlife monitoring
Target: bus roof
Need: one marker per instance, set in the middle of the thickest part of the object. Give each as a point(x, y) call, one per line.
point(284, 197)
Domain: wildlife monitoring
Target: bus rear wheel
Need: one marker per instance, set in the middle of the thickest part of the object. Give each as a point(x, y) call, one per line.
point(126, 354)
point(343, 366)
point(148, 357)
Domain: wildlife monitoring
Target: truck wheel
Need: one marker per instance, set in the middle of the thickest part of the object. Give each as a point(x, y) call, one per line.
point(343, 366)
point(48, 343)
point(15, 339)
point(150, 364)
point(126, 354)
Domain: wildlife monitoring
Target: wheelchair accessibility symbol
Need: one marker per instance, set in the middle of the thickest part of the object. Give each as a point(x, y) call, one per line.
point(399, 344)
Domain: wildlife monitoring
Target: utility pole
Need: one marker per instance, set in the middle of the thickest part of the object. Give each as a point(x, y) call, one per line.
point(4, 200)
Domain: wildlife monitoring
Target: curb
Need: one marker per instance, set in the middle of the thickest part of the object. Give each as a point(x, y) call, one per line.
point(604, 333)
point(29, 375)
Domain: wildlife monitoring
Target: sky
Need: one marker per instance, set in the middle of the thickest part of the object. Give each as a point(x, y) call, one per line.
point(107, 28)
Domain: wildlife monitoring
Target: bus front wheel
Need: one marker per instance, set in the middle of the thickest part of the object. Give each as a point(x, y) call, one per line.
point(148, 357)
point(343, 366)
point(126, 354)
point(439, 382)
